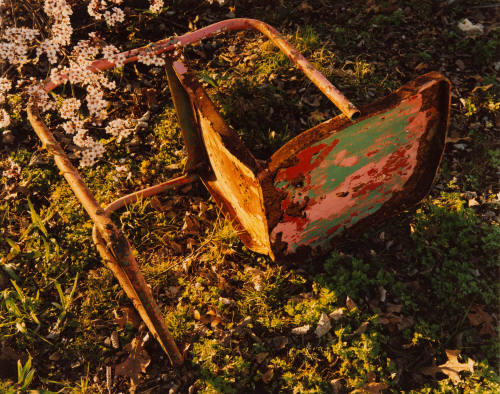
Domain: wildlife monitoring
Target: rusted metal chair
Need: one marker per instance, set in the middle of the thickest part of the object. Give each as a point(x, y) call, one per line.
point(340, 176)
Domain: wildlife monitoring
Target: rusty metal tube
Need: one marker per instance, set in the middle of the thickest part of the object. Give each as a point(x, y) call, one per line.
point(148, 192)
point(112, 245)
point(169, 44)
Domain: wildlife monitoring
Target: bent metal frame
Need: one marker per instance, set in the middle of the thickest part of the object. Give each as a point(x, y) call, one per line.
point(345, 174)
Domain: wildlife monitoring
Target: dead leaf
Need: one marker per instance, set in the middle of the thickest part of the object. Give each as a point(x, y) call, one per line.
point(257, 277)
point(421, 67)
point(460, 64)
point(405, 322)
point(323, 326)
point(362, 328)
point(372, 388)
point(470, 28)
point(317, 116)
point(128, 315)
point(268, 376)
point(393, 308)
point(472, 203)
point(115, 341)
point(260, 357)
point(279, 342)
point(135, 364)
point(156, 204)
point(203, 208)
point(304, 6)
point(337, 314)
point(177, 248)
point(226, 301)
point(337, 386)
point(301, 330)
point(452, 367)
point(350, 304)
point(191, 225)
point(477, 316)
point(191, 243)
point(173, 290)
point(313, 101)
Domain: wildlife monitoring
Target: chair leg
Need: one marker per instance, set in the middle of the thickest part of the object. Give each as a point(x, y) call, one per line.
point(119, 259)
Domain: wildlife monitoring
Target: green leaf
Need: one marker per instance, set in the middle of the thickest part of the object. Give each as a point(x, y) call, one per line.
point(209, 80)
point(13, 308)
point(70, 297)
point(35, 218)
point(47, 249)
point(15, 247)
point(27, 366)
point(20, 375)
point(61, 295)
point(10, 271)
point(19, 291)
point(28, 379)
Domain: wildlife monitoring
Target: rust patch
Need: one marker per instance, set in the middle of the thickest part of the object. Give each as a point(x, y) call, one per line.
point(233, 180)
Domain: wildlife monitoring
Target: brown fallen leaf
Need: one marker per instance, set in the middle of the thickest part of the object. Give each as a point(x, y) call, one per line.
point(405, 322)
point(302, 330)
point(337, 314)
point(452, 367)
point(305, 7)
point(191, 225)
point(350, 304)
point(478, 317)
point(128, 315)
point(362, 328)
point(177, 248)
point(268, 375)
point(317, 116)
point(337, 386)
point(156, 204)
point(393, 308)
point(260, 357)
point(372, 388)
point(323, 326)
point(279, 342)
point(135, 364)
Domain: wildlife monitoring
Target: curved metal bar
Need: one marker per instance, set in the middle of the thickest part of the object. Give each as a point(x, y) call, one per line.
point(169, 44)
point(148, 192)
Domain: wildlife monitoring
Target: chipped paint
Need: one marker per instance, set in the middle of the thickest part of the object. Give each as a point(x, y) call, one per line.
point(349, 175)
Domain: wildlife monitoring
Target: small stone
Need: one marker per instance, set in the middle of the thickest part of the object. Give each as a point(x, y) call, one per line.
point(8, 137)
